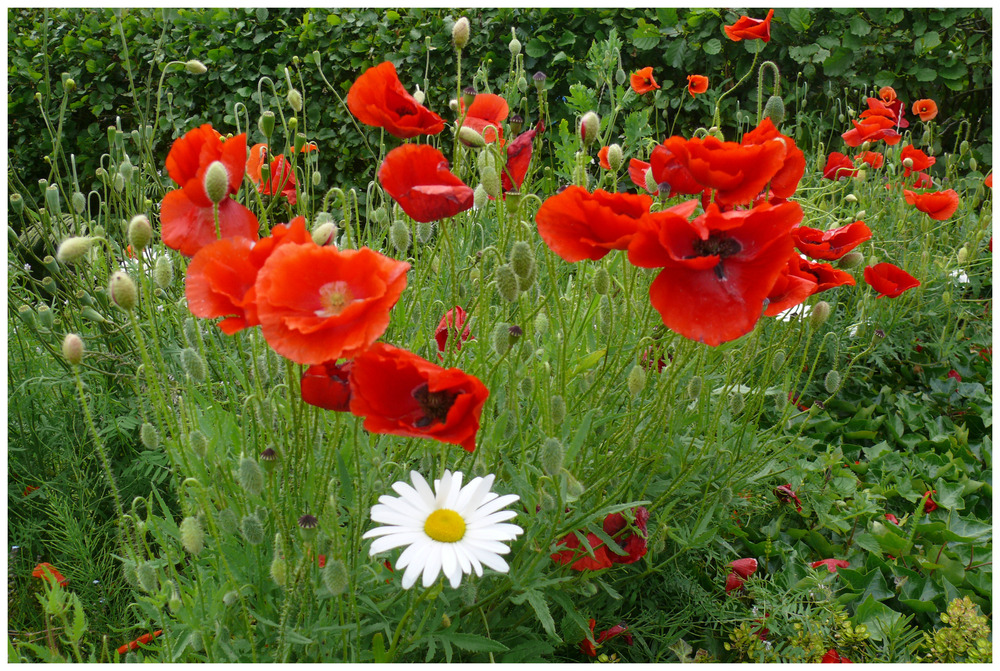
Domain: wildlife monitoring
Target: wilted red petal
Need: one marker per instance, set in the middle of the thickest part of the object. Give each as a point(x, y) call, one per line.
point(837, 166)
point(733, 582)
point(637, 173)
point(831, 564)
point(744, 567)
point(938, 205)
point(833, 657)
point(583, 561)
point(518, 160)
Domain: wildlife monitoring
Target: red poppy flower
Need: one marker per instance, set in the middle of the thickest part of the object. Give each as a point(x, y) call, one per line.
point(889, 280)
point(786, 180)
point(892, 518)
point(697, 84)
point(587, 648)
point(256, 159)
point(744, 567)
point(28, 489)
point(786, 494)
point(637, 173)
point(872, 129)
point(929, 504)
point(451, 325)
point(920, 161)
point(307, 147)
point(417, 177)
point(602, 158)
point(377, 98)
point(145, 639)
point(401, 394)
point(583, 562)
point(282, 180)
point(954, 375)
point(485, 116)
point(922, 180)
point(838, 166)
point(872, 158)
point(321, 560)
point(750, 29)
point(926, 109)
point(791, 288)
point(823, 274)
point(318, 304)
point(186, 214)
point(830, 245)
point(577, 224)
point(643, 82)
point(833, 657)
point(938, 205)
point(989, 180)
point(48, 572)
point(738, 173)
point(519, 159)
point(734, 582)
point(325, 385)
point(634, 544)
point(831, 564)
point(718, 269)
point(887, 94)
point(892, 111)
point(667, 169)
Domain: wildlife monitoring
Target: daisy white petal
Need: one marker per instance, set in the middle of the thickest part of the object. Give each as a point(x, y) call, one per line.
point(394, 541)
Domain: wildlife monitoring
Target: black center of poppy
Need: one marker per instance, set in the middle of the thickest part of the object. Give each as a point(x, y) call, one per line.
point(717, 245)
point(435, 405)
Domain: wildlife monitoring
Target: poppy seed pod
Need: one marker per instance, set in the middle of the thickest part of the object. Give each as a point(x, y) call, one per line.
point(149, 436)
point(266, 123)
point(16, 203)
point(192, 535)
point(775, 110)
point(399, 236)
point(602, 281)
point(636, 380)
point(140, 232)
point(334, 576)
point(73, 249)
point(539, 79)
point(557, 408)
point(251, 478)
point(820, 313)
point(506, 280)
point(307, 527)
point(460, 33)
point(419, 96)
point(163, 272)
point(195, 67)
point(522, 259)
point(72, 349)
point(831, 382)
point(293, 124)
point(551, 457)
point(252, 530)
point(122, 290)
point(46, 317)
point(516, 123)
point(590, 128)
point(851, 260)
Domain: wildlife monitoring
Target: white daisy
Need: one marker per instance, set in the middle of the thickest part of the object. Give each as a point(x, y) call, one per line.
point(451, 530)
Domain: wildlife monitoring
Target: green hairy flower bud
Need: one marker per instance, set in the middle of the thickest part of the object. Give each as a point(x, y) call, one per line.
point(820, 313)
point(199, 443)
point(425, 229)
point(163, 272)
point(736, 403)
point(460, 33)
point(557, 408)
point(251, 477)
point(325, 234)
point(636, 380)
point(506, 280)
point(279, 571)
point(195, 67)
point(149, 436)
point(694, 387)
point(620, 76)
point(775, 109)
point(480, 197)
point(79, 202)
point(515, 44)
point(192, 535)
point(527, 386)
point(252, 530)
point(551, 457)
point(335, 577)
point(294, 100)
point(651, 185)
point(123, 291)
point(851, 260)
point(194, 365)
point(615, 157)
point(602, 281)
point(470, 137)
point(52, 201)
point(119, 182)
point(590, 127)
point(605, 316)
point(146, 575)
point(490, 181)
point(226, 519)
point(73, 249)
point(963, 254)
point(140, 232)
point(522, 259)
point(541, 323)
point(832, 382)
point(501, 338)
point(778, 362)
point(216, 182)
point(72, 349)
point(399, 236)
point(266, 124)
point(574, 488)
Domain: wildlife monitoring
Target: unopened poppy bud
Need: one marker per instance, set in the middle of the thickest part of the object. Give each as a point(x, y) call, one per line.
point(70, 84)
point(425, 229)
point(522, 84)
point(620, 76)
point(470, 137)
point(651, 185)
point(602, 281)
point(516, 123)
point(541, 323)
point(226, 519)
point(866, 145)
point(522, 259)
point(775, 110)
point(820, 313)
point(636, 380)
point(195, 67)
point(557, 408)
point(694, 387)
point(294, 100)
point(149, 436)
point(266, 123)
point(307, 527)
point(279, 571)
point(216, 182)
point(419, 96)
point(72, 349)
point(479, 197)
point(199, 443)
point(460, 33)
point(326, 234)
point(551, 457)
point(860, 215)
point(841, 118)
point(539, 79)
point(140, 232)
point(574, 488)
point(380, 215)
point(590, 127)
point(163, 272)
point(334, 576)
point(851, 198)
point(399, 236)
point(831, 382)
point(851, 260)
point(252, 530)
point(861, 175)
point(615, 157)
point(293, 124)
point(778, 362)
point(46, 317)
point(251, 478)
point(119, 182)
point(453, 105)
point(963, 254)
point(122, 290)
point(736, 405)
point(908, 163)
point(52, 202)
point(192, 535)
point(946, 298)
point(17, 203)
point(605, 316)
point(146, 575)
point(501, 338)
point(73, 249)
point(194, 365)
point(973, 165)
point(963, 148)
point(491, 181)
point(515, 44)
point(527, 385)
point(79, 202)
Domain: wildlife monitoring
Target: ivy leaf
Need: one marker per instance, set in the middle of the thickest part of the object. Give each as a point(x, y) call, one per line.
point(877, 617)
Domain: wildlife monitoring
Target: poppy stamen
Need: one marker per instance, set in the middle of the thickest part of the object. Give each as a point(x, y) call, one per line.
point(334, 297)
point(434, 404)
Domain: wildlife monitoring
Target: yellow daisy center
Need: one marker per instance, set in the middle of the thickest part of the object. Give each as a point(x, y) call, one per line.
point(445, 525)
point(334, 297)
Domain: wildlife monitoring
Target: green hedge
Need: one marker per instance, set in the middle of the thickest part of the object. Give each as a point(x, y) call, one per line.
point(829, 58)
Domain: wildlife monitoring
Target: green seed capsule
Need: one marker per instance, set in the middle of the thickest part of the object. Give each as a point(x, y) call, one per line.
point(149, 436)
point(506, 281)
point(194, 365)
point(694, 387)
point(522, 259)
point(602, 281)
point(399, 236)
point(636, 380)
point(146, 575)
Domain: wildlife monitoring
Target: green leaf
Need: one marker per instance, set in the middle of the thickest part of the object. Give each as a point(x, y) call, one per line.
point(838, 63)
point(866, 541)
point(541, 608)
point(876, 616)
point(645, 36)
point(889, 541)
point(673, 55)
point(712, 47)
point(535, 48)
point(472, 642)
point(261, 14)
point(667, 16)
point(925, 74)
point(926, 42)
point(530, 651)
point(859, 26)
point(799, 19)
point(378, 649)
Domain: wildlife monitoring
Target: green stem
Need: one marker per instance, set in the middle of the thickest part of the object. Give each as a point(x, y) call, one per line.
point(718, 101)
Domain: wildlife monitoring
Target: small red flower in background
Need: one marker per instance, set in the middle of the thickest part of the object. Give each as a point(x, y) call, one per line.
point(750, 29)
point(28, 489)
point(989, 182)
point(519, 159)
point(831, 564)
point(926, 109)
point(402, 394)
point(577, 224)
point(872, 129)
point(587, 648)
point(744, 567)
point(892, 518)
point(326, 385)
point(954, 375)
point(48, 572)
point(637, 173)
point(823, 275)
point(602, 158)
point(583, 561)
point(872, 158)
point(734, 582)
point(929, 504)
point(697, 84)
point(417, 177)
point(920, 161)
point(321, 560)
point(887, 94)
point(485, 115)
point(377, 98)
point(938, 205)
point(643, 82)
point(256, 160)
point(889, 280)
point(833, 657)
point(451, 324)
point(186, 214)
point(833, 244)
point(786, 494)
point(616, 526)
point(145, 639)
point(838, 165)
point(922, 181)
point(318, 304)
point(791, 287)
